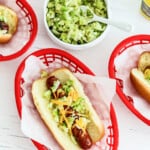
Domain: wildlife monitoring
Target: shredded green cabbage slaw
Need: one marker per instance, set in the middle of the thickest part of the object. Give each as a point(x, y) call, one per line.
point(70, 24)
point(75, 104)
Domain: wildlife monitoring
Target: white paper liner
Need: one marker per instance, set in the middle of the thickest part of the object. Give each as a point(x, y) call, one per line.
point(100, 90)
point(124, 63)
point(22, 35)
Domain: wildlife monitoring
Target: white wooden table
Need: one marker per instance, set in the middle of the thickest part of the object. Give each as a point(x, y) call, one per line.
point(133, 133)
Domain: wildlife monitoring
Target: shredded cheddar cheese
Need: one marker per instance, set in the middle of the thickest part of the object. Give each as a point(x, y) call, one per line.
point(63, 117)
point(73, 93)
point(60, 102)
point(70, 107)
point(81, 123)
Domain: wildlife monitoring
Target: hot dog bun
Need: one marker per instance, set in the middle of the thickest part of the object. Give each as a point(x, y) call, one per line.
point(140, 84)
point(140, 76)
point(95, 127)
point(144, 61)
point(10, 19)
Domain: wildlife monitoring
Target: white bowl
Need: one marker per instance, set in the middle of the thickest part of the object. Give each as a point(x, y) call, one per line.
point(73, 46)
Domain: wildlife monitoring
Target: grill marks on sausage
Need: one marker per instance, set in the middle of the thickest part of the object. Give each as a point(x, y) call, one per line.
point(82, 137)
point(50, 81)
point(4, 26)
point(59, 92)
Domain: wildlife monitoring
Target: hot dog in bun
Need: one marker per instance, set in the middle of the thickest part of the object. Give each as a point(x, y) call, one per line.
point(140, 76)
point(66, 110)
point(8, 23)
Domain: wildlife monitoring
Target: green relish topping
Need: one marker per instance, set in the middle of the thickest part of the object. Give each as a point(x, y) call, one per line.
point(147, 74)
point(69, 109)
point(70, 23)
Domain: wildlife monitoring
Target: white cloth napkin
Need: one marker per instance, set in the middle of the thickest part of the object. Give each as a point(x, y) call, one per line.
point(100, 90)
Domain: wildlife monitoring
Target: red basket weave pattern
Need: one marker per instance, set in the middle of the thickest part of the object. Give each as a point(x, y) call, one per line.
point(47, 56)
point(26, 31)
point(120, 48)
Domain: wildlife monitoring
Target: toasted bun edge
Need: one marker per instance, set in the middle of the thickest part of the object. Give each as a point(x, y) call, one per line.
point(5, 38)
point(13, 23)
point(140, 84)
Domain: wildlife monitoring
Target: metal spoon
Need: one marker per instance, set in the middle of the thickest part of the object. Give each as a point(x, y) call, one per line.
point(121, 25)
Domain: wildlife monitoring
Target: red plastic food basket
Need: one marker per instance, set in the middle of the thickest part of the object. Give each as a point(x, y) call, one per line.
point(47, 56)
point(26, 30)
point(119, 49)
